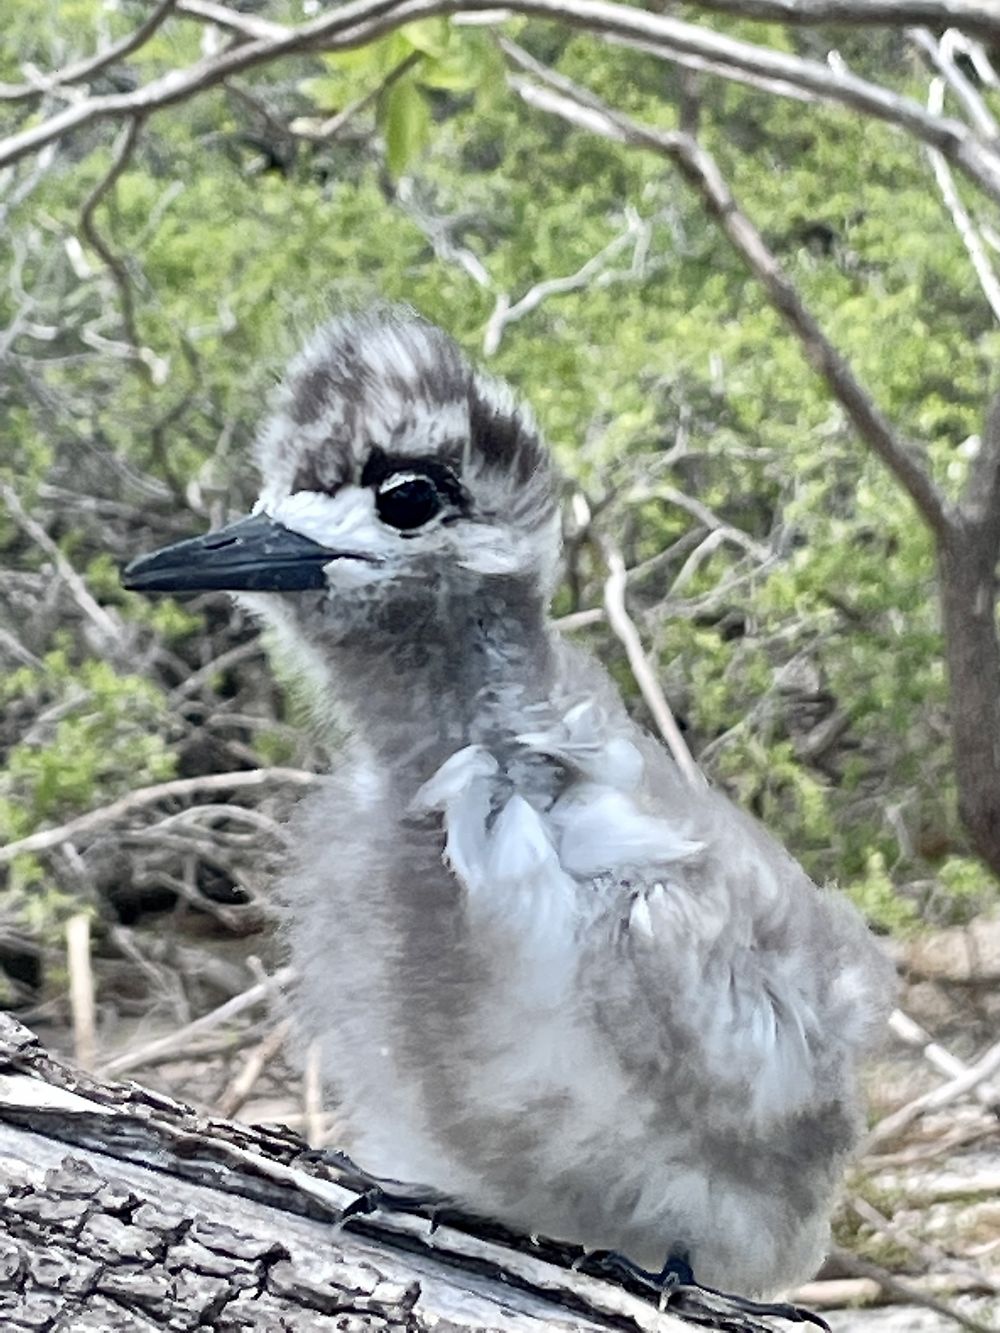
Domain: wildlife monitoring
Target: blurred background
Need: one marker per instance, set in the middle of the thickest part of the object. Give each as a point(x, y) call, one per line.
point(186, 189)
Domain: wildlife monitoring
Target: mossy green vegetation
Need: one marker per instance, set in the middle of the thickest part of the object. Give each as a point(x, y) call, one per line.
point(446, 192)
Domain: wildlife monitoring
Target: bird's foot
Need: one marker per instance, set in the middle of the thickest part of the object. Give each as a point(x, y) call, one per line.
point(675, 1287)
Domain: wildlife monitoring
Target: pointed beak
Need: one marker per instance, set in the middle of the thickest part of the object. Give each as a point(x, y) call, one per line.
point(252, 555)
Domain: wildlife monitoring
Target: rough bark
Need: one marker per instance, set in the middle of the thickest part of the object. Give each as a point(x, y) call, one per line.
point(968, 551)
point(122, 1209)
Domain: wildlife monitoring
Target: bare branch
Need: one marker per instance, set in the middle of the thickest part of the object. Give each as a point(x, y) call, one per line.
point(645, 677)
point(940, 55)
point(240, 1088)
point(107, 624)
point(116, 266)
point(178, 1041)
point(580, 107)
point(81, 989)
point(142, 797)
point(504, 313)
point(360, 21)
point(979, 16)
point(891, 1126)
point(81, 70)
point(906, 1029)
point(321, 131)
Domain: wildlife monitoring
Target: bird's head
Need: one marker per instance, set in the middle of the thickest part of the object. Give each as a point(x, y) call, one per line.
point(393, 472)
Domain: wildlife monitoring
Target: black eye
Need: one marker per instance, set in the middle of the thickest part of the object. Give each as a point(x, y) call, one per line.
point(407, 500)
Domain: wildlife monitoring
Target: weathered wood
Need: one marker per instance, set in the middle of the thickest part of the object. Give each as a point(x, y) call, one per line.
point(122, 1209)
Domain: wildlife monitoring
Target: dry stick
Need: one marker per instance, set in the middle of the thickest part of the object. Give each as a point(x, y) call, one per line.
point(240, 1088)
point(176, 1042)
point(46, 839)
point(580, 107)
point(79, 70)
point(851, 1292)
point(115, 265)
point(950, 196)
point(930, 1255)
point(893, 1125)
point(970, 97)
point(505, 313)
point(906, 1029)
point(108, 626)
point(910, 1293)
point(624, 628)
point(980, 16)
point(312, 1096)
point(322, 131)
point(360, 22)
point(243, 652)
point(81, 989)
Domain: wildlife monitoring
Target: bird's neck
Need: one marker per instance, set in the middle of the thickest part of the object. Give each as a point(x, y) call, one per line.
point(469, 668)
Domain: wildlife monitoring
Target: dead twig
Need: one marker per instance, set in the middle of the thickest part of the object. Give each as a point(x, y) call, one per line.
point(104, 621)
point(81, 989)
point(624, 628)
point(909, 1031)
point(142, 797)
point(78, 71)
point(562, 97)
point(176, 1042)
point(312, 1096)
point(116, 266)
point(890, 1126)
point(257, 1060)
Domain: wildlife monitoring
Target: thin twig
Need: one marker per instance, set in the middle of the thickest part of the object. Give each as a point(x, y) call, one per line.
point(939, 55)
point(80, 70)
point(929, 1255)
point(505, 313)
point(322, 131)
point(243, 652)
point(108, 625)
point(116, 266)
point(906, 1029)
point(312, 1095)
point(240, 1088)
point(890, 1126)
point(178, 1041)
point(645, 677)
point(81, 989)
point(580, 107)
point(142, 797)
point(360, 22)
point(908, 1292)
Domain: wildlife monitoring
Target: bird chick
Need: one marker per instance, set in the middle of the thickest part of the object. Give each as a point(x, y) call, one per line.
point(549, 978)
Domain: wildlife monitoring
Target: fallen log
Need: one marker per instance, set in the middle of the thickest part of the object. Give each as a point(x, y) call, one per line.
point(123, 1209)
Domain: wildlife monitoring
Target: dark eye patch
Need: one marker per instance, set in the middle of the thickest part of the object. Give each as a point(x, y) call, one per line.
point(381, 466)
point(408, 500)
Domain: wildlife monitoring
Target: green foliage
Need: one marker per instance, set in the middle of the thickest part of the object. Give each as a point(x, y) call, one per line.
point(95, 735)
point(233, 249)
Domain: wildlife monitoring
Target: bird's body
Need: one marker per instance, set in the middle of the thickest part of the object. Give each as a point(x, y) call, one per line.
point(550, 979)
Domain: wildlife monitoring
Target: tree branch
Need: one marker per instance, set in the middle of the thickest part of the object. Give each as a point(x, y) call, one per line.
point(80, 70)
point(563, 98)
point(142, 797)
point(978, 16)
point(360, 21)
point(115, 265)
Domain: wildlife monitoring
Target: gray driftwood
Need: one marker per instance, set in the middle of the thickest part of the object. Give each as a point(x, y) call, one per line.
point(122, 1209)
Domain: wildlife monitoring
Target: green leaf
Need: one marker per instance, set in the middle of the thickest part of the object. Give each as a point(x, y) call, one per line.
point(405, 118)
point(430, 36)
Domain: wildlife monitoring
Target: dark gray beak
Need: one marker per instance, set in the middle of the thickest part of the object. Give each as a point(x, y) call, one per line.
point(252, 555)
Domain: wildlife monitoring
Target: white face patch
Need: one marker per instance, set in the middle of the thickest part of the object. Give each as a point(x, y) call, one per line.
point(346, 523)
